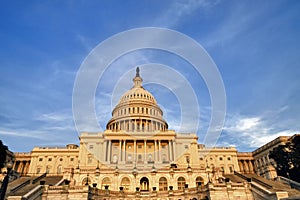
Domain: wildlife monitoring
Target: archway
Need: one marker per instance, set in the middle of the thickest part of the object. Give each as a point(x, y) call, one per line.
point(144, 184)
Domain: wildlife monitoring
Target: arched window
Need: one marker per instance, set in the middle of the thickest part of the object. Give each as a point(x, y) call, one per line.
point(86, 181)
point(163, 184)
point(180, 183)
point(199, 181)
point(105, 182)
point(149, 157)
point(48, 169)
point(125, 183)
point(59, 169)
point(38, 170)
point(115, 158)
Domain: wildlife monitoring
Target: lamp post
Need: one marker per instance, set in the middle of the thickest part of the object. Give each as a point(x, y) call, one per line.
point(87, 180)
point(135, 173)
point(9, 166)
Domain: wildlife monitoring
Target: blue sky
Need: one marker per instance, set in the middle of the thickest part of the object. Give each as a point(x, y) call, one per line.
point(255, 45)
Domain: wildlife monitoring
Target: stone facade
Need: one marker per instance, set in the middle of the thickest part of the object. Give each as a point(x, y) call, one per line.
point(137, 157)
point(264, 166)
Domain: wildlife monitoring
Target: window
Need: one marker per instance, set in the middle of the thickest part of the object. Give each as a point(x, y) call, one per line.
point(201, 158)
point(164, 158)
point(71, 159)
point(222, 169)
point(90, 159)
point(49, 159)
point(115, 158)
point(186, 146)
point(91, 146)
point(125, 183)
point(221, 158)
point(150, 157)
point(60, 159)
point(38, 170)
point(139, 146)
point(59, 169)
point(228, 158)
point(199, 181)
point(86, 181)
point(163, 184)
point(48, 169)
point(139, 157)
point(129, 146)
point(129, 157)
point(230, 169)
point(163, 146)
point(105, 182)
point(40, 159)
point(149, 146)
point(180, 183)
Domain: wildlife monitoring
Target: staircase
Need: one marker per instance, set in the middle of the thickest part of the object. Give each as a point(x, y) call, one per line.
point(25, 187)
point(267, 189)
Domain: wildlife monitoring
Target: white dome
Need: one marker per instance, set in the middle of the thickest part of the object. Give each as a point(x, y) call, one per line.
point(137, 111)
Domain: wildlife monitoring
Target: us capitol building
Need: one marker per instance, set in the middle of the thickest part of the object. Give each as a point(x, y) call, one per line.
point(138, 157)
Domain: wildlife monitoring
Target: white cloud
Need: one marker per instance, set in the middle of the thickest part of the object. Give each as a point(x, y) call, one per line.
point(180, 9)
point(251, 132)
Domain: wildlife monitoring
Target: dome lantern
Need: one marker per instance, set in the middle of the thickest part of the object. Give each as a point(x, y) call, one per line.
point(137, 80)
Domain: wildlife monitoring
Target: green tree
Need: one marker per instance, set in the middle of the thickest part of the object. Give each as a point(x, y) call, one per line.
point(287, 158)
point(3, 149)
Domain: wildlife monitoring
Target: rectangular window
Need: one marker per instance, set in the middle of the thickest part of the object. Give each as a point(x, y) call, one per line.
point(139, 146)
point(40, 159)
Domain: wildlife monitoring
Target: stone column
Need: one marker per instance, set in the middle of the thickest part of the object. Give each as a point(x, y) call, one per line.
point(120, 150)
point(105, 149)
point(124, 152)
point(19, 167)
point(155, 150)
point(134, 151)
point(109, 151)
point(145, 152)
point(169, 148)
point(241, 166)
point(159, 156)
point(174, 150)
point(251, 167)
point(246, 169)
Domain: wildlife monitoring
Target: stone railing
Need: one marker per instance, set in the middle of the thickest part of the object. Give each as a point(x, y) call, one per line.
point(18, 187)
point(291, 183)
point(39, 178)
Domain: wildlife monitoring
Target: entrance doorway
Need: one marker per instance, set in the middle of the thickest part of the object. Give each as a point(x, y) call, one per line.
point(144, 184)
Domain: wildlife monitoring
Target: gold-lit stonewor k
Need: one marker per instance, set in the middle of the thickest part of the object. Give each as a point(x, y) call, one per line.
point(137, 111)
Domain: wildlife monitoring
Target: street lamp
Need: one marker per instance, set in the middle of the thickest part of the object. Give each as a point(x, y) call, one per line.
point(9, 166)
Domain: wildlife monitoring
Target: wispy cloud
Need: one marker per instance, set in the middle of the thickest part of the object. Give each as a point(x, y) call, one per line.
point(178, 10)
point(248, 132)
